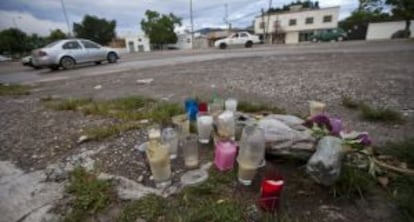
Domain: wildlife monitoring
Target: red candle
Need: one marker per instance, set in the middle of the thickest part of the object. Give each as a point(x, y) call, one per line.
point(270, 194)
point(202, 107)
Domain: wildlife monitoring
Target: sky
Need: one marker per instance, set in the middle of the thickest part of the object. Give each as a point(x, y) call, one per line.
point(41, 16)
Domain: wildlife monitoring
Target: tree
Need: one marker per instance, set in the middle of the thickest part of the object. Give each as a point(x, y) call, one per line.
point(99, 30)
point(55, 35)
point(35, 41)
point(403, 9)
point(13, 41)
point(160, 28)
point(368, 11)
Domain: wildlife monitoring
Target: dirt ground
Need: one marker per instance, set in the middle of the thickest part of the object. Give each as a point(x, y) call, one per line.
point(34, 136)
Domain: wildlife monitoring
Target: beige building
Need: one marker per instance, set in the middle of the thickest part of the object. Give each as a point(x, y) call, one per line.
point(295, 25)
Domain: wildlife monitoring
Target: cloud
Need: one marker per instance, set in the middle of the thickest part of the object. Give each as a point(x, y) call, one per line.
point(128, 13)
point(28, 23)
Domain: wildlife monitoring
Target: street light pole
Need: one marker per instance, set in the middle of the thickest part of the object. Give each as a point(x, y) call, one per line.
point(192, 24)
point(66, 17)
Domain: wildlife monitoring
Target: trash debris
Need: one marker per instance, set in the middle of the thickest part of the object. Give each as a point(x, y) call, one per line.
point(97, 87)
point(194, 177)
point(82, 139)
point(145, 81)
point(141, 147)
point(325, 164)
point(316, 108)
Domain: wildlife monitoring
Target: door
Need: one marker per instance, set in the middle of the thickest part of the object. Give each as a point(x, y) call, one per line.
point(131, 47)
point(140, 48)
point(74, 49)
point(95, 51)
point(243, 38)
point(234, 39)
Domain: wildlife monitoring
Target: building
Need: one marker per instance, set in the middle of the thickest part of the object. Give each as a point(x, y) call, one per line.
point(386, 30)
point(139, 43)
point(297, 24)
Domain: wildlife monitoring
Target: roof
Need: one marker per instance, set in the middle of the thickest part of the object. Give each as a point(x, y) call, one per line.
point(299, 11)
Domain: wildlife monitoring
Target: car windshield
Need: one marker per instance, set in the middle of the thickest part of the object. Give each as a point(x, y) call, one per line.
point(50, 45)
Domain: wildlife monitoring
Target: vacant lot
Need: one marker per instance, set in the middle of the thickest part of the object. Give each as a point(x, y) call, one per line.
point(380, 75)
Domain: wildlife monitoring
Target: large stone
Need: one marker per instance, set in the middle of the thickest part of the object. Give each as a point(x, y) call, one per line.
point(282, 140)
point(325, 164)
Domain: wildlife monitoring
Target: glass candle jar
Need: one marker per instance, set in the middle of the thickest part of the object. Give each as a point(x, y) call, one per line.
point(231, 104)
point(226, 125)
point(204, 127)
point(224, 155)
point(170, 138)
point(159, 161)
point(190, 151)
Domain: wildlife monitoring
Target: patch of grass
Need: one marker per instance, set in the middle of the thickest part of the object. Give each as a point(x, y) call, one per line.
point(380, 114)
point(403, 194)
point(11, 90)
point(254, 108)
point(348, 102)
point(403, 150)
point(100, 133)
point(162, 112)
point(352, 182)
point(91, 194)
point(149, 208)
point(68, 104)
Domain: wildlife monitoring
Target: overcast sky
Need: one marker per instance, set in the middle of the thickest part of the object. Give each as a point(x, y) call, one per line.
point(40, 16)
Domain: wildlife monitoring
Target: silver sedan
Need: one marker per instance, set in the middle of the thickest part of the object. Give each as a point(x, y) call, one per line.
point(69, 52)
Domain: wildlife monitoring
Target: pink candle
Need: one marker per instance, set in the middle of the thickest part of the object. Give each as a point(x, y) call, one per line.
point(225, 154)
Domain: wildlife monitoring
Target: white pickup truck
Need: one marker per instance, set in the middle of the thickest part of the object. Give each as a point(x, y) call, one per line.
point(238, 38)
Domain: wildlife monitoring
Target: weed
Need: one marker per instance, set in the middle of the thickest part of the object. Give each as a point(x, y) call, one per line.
point(352, 182)
point(404, 196)
point(403, 150)
point(149, 208)
point(380, 114)
point(162, 112)
point(91, 194)
point(254, 108)
point(348, 102)
point(100, 133)
point(9, 90)
point(69, 104)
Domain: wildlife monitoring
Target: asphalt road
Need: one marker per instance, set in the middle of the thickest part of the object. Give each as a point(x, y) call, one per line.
point(15, 73)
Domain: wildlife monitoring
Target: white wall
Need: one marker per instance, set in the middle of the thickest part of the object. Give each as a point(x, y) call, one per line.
point(184, 41)
point(384, 30)
point(300, 17)
point(140, 40)
point(292, 37)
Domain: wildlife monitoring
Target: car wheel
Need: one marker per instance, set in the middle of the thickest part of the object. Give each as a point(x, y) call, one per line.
point(112, 57)
point(98, 62)
point(223, 46)
point(36, 67)
point(249, 44)
point(67, 62)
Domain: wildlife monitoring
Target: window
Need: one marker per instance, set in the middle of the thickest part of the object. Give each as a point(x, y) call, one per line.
point(243, 35)
point(235, 35)
point(262, 25)
point(139, 40)
point(71, 45)
point(90, 45)
point(327, 18)
point(292, 22)
point(309, 20)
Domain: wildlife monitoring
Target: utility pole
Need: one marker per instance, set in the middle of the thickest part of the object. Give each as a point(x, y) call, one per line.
point(264, 25)
point(192, 24)
point(226, 16)
point(268, 18)
point(66, 17)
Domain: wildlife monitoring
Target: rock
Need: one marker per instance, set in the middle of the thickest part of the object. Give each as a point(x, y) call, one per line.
point(293, 122)
point(325, 164)
point(145, 81)
point(82, 139)
point(194, 177)
point(128, 189)
point(144, 121)
point(97, 87)
point(56, 172)
point(254, 213)
point(141, 178)
point(281, 140)
point(332, 213)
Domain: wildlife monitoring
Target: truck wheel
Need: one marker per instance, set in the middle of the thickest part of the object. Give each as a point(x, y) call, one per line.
point(249, 44)
point(223, 46)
